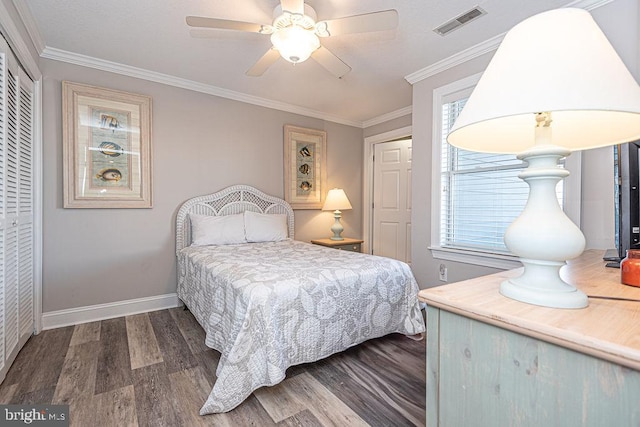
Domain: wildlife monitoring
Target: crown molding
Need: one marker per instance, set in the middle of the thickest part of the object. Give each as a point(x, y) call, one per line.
point(30, 24)
point(588, 4)
point(456, 59)
point(388, 116)
point(140, 73)
point(484, 47)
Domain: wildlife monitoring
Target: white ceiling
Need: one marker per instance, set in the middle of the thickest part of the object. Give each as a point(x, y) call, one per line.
point(152, 35)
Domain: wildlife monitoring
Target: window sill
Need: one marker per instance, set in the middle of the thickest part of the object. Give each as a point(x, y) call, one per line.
point(485, 259)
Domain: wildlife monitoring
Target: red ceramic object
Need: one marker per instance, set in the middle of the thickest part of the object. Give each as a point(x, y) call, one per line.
point(630, 268)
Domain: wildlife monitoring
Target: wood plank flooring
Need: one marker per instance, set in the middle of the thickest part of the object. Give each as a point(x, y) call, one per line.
point(153, 369)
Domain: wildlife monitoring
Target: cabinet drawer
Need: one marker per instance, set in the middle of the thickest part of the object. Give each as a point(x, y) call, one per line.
point(348, 244)
point(353, 247)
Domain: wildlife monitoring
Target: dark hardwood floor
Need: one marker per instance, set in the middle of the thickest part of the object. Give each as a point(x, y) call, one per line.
point(153, 369)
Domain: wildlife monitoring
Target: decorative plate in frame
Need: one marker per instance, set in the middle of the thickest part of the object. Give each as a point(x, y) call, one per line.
point(106, 148)
point(304, 167)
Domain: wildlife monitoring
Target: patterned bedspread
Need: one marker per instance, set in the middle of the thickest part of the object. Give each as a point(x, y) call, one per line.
point(268, 306)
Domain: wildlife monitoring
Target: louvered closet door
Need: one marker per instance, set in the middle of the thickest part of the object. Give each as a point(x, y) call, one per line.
point(16, 207)
point(25, 207)
point(3, 227)
point(11, 209)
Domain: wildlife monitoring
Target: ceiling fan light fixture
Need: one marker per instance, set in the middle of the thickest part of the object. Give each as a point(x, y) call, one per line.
point(295, 34)
point(283, 18)
point(294, 43)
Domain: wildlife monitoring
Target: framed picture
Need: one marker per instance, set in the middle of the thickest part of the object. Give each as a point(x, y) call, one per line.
point(305, 155)
point(106, 148)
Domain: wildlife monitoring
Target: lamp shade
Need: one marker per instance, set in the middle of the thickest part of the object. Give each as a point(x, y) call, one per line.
point(559, 62)
point(336, 201)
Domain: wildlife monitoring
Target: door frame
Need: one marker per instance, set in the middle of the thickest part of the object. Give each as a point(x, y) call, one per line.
point(367, 185)
point(19, 44)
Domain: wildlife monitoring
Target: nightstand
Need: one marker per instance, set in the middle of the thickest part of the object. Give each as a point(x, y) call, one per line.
point(347, 244)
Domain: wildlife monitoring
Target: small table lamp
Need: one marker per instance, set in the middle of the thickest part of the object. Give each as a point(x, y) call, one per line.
point(555, 85)
point(336, 201)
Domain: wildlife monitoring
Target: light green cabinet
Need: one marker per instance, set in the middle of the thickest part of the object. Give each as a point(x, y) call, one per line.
point(482, 375)
point(493, 361)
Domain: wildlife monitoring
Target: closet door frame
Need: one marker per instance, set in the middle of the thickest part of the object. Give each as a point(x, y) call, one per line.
point(19, 46)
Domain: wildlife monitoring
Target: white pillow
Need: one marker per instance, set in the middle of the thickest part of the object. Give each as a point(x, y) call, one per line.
point(260, 227)
point(217, 230)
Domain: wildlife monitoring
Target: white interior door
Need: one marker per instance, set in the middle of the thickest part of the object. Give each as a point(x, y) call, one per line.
point(392, 200)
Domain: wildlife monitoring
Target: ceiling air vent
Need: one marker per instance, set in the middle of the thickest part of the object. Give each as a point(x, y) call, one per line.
point(459, 21)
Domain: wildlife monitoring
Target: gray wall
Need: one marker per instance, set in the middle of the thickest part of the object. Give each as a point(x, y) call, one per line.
point(201, 144)
point(620, 22)
point(424, 266)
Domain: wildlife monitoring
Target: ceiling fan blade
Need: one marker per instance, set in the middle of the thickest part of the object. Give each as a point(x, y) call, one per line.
point(293, 6)
point(332, 63)
point(225, 24)
point(263, 63)
point(375, 21)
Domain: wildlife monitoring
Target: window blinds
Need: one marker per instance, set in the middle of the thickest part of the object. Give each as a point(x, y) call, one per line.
point(481, 193)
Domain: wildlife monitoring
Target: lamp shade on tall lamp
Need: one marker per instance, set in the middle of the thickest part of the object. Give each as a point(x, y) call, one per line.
point(336, 201)
point(555, 85)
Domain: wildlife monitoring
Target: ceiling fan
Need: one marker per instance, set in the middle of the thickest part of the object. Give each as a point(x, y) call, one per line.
point(295, 34)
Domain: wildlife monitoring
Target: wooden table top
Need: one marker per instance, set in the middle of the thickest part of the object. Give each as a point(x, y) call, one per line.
point(330, 242)
point(608, 329)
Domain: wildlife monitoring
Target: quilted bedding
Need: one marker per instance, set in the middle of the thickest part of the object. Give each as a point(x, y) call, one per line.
point(268, 306)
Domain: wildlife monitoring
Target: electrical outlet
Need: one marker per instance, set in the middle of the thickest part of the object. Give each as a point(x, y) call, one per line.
point(443, 272)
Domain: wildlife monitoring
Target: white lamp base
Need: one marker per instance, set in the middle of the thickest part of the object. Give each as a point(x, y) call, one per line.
point(543, 236)
point(541, 284)
point(337, 228)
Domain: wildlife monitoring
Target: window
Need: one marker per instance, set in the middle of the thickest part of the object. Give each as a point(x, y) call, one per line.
point(479, 195)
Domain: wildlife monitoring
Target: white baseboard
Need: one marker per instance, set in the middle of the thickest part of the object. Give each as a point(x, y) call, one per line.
point(93, 313)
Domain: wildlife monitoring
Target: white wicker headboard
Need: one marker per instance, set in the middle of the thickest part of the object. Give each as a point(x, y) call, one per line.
point(231, 200)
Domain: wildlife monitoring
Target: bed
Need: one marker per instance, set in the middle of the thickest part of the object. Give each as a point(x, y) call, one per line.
point(273, 302)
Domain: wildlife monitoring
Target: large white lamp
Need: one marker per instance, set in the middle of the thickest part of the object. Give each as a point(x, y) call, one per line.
point(336, 201)
point(554, 85)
